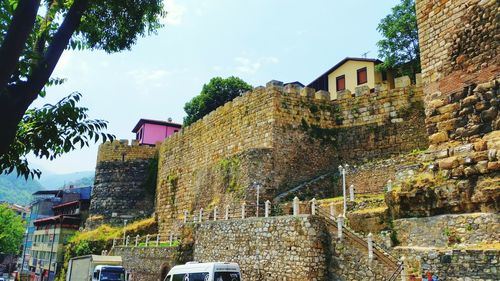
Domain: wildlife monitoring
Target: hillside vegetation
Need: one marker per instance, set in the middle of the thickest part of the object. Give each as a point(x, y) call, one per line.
point(17, 190)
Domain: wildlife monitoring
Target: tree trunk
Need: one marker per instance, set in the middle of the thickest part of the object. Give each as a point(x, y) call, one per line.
point(22, 23)
point(15, 100)
point(12, 109)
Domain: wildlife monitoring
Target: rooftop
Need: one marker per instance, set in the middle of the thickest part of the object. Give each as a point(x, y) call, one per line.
point(156, 122)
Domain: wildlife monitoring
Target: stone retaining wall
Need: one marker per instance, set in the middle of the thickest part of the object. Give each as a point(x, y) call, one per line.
point(267, 249)
point(146, 263)
point(447, 230)
point(286, 248)
point(462, 265)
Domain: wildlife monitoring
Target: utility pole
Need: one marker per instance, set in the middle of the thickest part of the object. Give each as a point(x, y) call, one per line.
point(24, 249)
point(52, 247)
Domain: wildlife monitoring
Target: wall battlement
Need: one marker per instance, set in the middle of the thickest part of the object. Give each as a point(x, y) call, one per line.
point(122, 150)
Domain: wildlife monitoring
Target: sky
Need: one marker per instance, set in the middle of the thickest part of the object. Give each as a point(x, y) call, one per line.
point(257, 40)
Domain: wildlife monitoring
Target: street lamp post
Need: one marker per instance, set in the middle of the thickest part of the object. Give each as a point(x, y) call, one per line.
point(257, 188)
point(124, 231)
point(343, 171)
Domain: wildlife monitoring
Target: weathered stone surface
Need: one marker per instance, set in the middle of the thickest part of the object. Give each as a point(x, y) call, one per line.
point(291, 248)
point(438, 138)
point(448, 163)
point(146, 263)
point(402, 82)
point(120, 190)
point(263, 137)
point(478, 194)
point(447, 230)
point(477, 265)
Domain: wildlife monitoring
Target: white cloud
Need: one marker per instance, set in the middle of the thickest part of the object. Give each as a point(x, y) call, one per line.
point(175, 12)
point(144, 77)
point(248, 66)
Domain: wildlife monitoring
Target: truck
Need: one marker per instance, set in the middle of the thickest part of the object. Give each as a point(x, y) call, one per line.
point(96, 268)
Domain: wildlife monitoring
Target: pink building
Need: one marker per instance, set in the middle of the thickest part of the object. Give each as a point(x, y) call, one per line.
point(152, 131)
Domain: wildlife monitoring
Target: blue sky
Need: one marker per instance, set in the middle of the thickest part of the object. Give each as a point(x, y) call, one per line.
point(256, 40)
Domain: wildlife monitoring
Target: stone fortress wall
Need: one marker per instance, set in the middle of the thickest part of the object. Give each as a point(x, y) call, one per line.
point(120, 188)
point(460, 58)
point(280, 137)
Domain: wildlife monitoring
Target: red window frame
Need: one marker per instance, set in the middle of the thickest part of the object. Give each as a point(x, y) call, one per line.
point(337, 84)
point(359, 77)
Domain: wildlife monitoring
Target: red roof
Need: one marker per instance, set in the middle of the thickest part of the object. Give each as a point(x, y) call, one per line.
point(64, 218)
point(66, 204)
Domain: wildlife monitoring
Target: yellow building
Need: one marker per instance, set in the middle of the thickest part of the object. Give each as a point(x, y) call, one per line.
point(49, 240)
point(351, 73)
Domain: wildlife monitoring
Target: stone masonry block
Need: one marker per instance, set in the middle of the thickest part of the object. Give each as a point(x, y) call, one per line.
point(343, 94)
point(274, 83)
point(402, 82)
point(292, 89)
point(322, 95)
point(307, 92)
point(362, 90)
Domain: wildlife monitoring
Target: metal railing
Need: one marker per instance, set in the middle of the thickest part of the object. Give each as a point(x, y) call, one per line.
point(387, 259)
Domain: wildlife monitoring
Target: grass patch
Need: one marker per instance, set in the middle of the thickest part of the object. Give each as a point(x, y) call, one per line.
point(175, 243)
point(106, 232)
point(371, 210)
point(482, 246)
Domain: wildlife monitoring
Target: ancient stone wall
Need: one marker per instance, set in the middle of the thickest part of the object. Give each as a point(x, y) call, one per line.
point(288, 247)
point(478, 265)
point(460, 74)
point(460, 62)
point(280, 137)
point(266, 249)
point(124, 183)
point(146, 263)
point(448, 230)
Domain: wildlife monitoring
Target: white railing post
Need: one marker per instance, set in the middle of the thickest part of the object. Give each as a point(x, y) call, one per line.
point(114, 242)
point(171, 238)
point(296, 206)
point(243, 210)
point(137, 240)
point(351, 193)
point(147, 240)
point(201, 214)
point(332, 211)
point(340, 223)
point(185, 216)
point(126, 241)
point(267, 208)
point(370, 246)
point(389, 185)
point(403, 271)
point(215, 213)
point(226, 217)
point(157, 240)
point(313, 206)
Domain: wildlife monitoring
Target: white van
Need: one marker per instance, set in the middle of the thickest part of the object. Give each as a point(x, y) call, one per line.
point(211, 271)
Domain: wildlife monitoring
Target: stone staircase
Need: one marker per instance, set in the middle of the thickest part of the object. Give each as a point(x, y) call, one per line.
point(303, 185)
point(383, 266)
